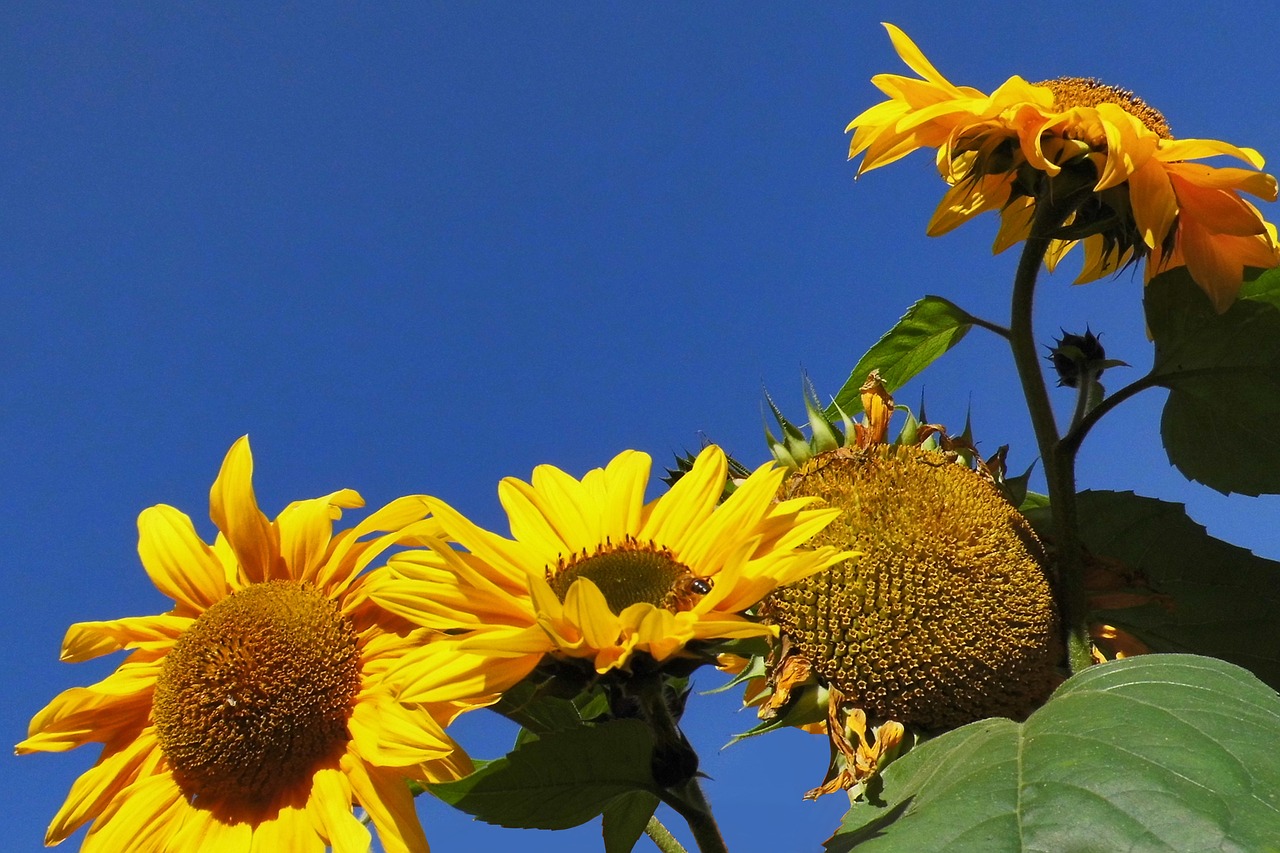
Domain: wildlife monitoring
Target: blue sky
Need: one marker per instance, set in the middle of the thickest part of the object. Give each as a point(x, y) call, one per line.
point(418, 249)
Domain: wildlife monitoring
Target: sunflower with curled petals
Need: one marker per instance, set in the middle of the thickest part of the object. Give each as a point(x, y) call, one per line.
point(593, 572)
point(254, 714)
point(1135, 194)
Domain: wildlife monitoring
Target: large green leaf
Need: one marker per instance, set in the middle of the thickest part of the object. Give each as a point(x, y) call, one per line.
point(928, 329)
point(1223, 376)
point(1226, 600)
point(1157, 753)
point(558, 780)
point(625, 819)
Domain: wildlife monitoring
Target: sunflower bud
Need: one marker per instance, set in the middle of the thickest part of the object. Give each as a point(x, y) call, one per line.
point(1076, 356)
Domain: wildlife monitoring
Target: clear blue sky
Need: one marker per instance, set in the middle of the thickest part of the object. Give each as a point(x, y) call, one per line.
point(417, 251)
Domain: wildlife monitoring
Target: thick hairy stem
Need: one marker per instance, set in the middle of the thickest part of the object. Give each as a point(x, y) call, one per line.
point(1058, 460)
point(688, 801)
point(662, 837)
point(675, 767)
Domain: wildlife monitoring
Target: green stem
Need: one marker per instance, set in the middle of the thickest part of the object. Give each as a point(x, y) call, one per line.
point(1080, 428)
point(1086, 398)
point(662, 837)
point(675, 759)
point(688, 801)
point(989, 326)
point(1059, 461)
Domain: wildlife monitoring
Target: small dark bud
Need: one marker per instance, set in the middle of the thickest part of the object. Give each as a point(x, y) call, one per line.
point(1073, 356)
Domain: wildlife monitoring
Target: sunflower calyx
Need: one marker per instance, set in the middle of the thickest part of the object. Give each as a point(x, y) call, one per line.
point(793, 449)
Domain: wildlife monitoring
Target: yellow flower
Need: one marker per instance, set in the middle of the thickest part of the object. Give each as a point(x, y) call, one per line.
point(595, 573)
point(253, 715)
point(1135, 195)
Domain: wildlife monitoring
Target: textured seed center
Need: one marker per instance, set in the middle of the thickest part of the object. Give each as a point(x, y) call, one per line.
point(1071, 92)
point(256, 693)
point(947, 616)
point(628, 573)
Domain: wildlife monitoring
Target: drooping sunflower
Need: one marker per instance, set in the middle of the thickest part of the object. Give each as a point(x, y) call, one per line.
point(944, 616)
point(1135, 194)
point(253, 715)
point(948, 616)
point(593, 572)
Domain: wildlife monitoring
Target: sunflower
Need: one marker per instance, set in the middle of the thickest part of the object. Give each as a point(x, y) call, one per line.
point(594, 573)
point(254, 714)
point(943, 616)
point(1132, 193)
point(949, 617)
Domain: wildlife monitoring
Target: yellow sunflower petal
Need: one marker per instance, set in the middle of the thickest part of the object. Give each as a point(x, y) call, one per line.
point(305, 528)
point(1015, 224)
point(1213, 263)
point(79, 715)
point(143, 819)
point(965, 200)
point(447, 589)
point(330, 811)
point(1099, 260)
point(731, 626)
point(657, 630)
point(178, 561)
point(1258, 184)
point(97, 786)
point(386, 798)
point(678, 514)
point(87, 640)
point(390, 734)
point(620, 489)
point(1155, 206)
point(502, 556)
point(441, 672)
point(290, 829)
point(234, 509)
point(585, 606)
point(203, 830)
point(915, 60)
point(1197, 149)
point(1129, 145)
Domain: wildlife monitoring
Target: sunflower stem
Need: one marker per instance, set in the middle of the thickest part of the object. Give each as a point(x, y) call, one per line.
point(1058, 459)
point(690, 803)
point(1087, 397)
point(662, 837)
point(1079, 429)
point(675, 764)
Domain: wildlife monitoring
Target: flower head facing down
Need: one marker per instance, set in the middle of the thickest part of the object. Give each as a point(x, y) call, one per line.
point(1130, 191)
point(253, 715)
point(593, 572)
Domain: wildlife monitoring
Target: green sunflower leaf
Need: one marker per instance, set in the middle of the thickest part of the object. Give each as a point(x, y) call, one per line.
point(1223, 376)
point(928, 329)
point(561, 779)
point(625, 819)
point(1224, 598)
point(1156, 753)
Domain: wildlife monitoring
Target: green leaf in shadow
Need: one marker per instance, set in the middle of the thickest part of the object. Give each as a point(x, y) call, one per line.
point(625, 819)
point(561, 779)
point(928, 329)
point(1155, 753)
point(1223, 376)
point(1226, 599)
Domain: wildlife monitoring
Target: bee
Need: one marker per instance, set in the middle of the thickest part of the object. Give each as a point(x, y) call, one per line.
point(686, 592)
